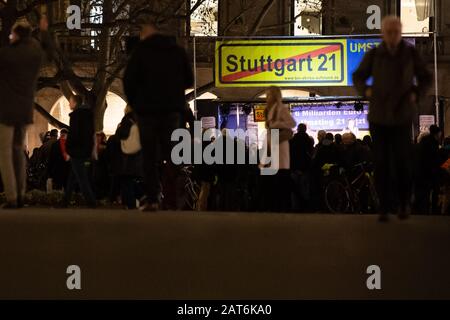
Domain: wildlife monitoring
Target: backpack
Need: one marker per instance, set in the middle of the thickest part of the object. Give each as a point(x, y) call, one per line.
point(132, 144)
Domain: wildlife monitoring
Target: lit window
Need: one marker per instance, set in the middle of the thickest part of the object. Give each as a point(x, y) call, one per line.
point(308, 18)
point(411, 24)
point(95, 17)
point(204, 19)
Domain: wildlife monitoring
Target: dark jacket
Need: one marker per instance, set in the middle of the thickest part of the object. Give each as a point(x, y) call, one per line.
point(326, 152)
point(301, 149)
point(80, 140)
point(353, 154)
point(157, 76)
point(429, 159)
point(58, 167)
point(393, 83)
point(19, 70)
point(125, 164)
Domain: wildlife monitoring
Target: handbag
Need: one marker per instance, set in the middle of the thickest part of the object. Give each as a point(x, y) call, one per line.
point(132, 144)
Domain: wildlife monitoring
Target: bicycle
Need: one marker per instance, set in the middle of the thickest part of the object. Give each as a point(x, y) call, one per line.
point(352, 195)
point(191, 188)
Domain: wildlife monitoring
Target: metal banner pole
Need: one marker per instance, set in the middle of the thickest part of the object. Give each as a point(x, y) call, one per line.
point(436, 83)
point(195, 77)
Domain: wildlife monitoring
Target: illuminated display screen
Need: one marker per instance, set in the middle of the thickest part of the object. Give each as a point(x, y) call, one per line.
point(333, 118)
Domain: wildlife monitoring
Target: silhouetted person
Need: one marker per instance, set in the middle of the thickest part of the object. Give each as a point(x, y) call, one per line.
point(429, 161)
point(100, 178)
point(338, 139)
point(326, 152)
point(367, 141)
point(301, 147)
point(80, 147)
point(129, 168)
point(19, 70)
point(320, 138)
point(394, 66)
point(45, 151)
point(352, 152)
point(155, 81)
point(58, 165)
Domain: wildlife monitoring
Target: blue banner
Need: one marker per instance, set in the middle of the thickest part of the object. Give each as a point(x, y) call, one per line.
point(356, 49)
point(332, 117)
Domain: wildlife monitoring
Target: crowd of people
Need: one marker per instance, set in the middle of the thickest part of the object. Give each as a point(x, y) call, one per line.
point(133, 167)
point(118, 178)
point(73, 160)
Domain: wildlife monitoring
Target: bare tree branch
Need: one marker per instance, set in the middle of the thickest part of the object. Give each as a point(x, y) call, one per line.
point(51, 120)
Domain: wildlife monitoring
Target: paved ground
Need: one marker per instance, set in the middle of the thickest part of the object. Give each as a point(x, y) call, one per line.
point(220, 255)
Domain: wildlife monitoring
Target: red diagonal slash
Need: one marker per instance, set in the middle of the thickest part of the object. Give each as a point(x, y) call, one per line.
point(243, 74)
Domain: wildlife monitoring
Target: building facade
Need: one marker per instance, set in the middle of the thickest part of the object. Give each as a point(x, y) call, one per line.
point(246, 18)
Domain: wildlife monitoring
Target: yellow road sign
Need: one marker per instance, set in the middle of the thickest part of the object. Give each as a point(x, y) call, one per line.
point(243, 63)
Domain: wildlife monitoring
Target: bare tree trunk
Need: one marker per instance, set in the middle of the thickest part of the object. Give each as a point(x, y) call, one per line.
point(100, 88)
point(100, 109)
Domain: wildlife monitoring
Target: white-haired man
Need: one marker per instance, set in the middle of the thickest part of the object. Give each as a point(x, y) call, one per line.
point(400, 77)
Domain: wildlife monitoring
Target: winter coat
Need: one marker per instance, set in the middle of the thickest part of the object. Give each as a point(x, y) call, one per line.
point(80, 139)
point(301, 147)
point(280, 119)
point(58, 167)
point(157, 76)
point(393, 83)
point(19, 70)
point(429, 159)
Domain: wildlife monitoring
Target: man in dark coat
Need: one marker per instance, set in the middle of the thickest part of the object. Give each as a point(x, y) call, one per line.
point(19, 69)
point(428, 171)
point(394, 66)
point(301, 149)
point(155, 81)
point(80, 147)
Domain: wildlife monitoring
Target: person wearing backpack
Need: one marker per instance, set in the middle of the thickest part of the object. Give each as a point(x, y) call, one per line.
point(129, 168)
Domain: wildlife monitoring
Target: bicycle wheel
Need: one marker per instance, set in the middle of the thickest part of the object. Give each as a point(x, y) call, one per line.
point(373, 196)
point(192, 192)
point(337, 198)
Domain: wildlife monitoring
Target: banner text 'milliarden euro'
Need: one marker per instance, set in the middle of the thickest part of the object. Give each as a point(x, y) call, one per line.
point(279, 66)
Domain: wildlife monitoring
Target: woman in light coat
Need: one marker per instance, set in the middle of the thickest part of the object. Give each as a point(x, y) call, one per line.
point(278, 116)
